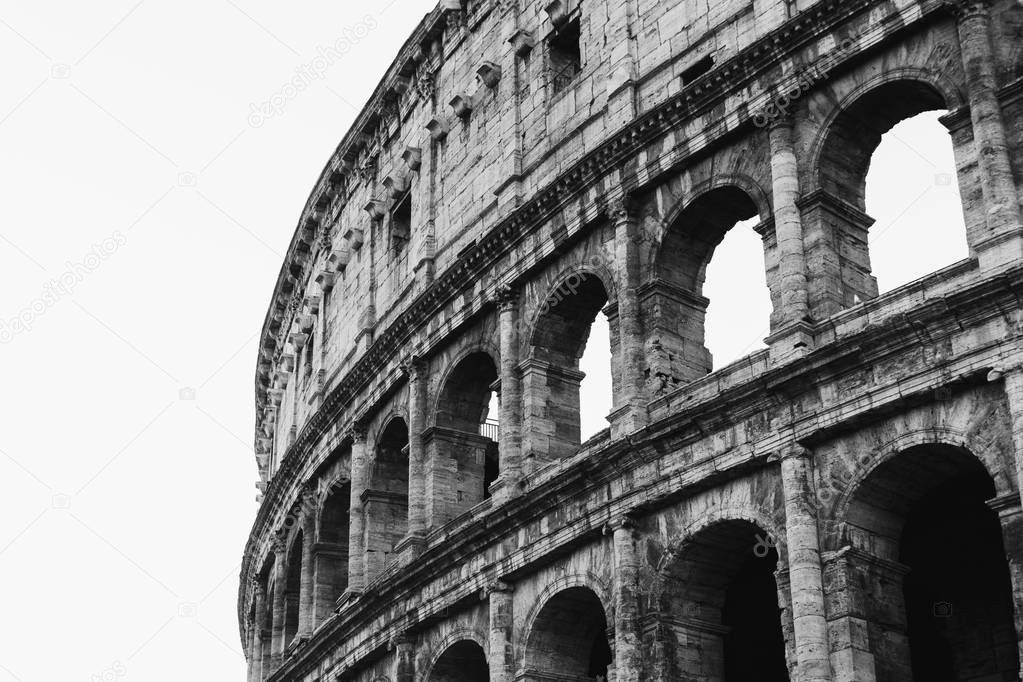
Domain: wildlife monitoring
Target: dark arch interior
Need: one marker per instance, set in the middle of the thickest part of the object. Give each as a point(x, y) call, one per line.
point(292, 589)
point(390, 466)
point(464, 661)
point(926, 509)
point(721, 593)
point(856, 133)
point(569, 636)
point(332, 558)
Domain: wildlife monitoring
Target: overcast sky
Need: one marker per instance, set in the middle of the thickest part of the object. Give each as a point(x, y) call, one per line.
point(144, 214)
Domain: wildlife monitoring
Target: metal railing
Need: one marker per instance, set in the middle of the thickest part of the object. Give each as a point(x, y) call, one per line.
point(490, 429)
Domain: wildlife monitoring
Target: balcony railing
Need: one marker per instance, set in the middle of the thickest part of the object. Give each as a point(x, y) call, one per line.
point(490, 429)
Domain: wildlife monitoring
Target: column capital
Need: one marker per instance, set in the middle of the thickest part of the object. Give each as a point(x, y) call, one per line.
point(402, 640)
point(496, 587)
point(795, 451)
point(620, 209)
point(968, 9)
point(279, 543)
point(357, 431)
point(625, 521)
point(507, 297)
point(414, 367)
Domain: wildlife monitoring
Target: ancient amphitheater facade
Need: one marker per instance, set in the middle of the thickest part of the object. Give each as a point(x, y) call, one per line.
point(843, 505)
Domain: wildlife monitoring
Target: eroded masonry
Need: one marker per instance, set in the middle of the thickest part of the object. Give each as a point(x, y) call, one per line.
point(843, 505)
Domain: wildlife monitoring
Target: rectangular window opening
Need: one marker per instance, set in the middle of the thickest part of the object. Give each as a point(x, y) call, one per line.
point(401, 220)
point(696, 70)
point(566, 54)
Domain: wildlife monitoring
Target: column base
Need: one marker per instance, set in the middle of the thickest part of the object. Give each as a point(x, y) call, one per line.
point(1002, 251)
point(792, 342)
point(408, 548)
point(628, 418)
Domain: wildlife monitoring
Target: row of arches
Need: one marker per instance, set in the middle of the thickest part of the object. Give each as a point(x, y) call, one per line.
point(920, 568)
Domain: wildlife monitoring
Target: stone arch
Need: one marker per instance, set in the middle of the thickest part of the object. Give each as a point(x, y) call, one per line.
point(556, 341)
point(986, 452)
point(331, 552)
point(928, 545)
point(462, 457)
point(834, 200)
point(718, 592)
point(890, 97)
point(293, 586)
point(568, 631)
point(385, 501)
point(465, 660)
point(673, 301)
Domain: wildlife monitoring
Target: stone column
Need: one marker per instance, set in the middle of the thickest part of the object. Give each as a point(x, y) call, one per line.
point(357, 521)
point(416, 370)
point(259, 617)
point(627, 636)
point(279, 603)
point(510, 417)
point(630, 408)
point(792, 335)
point(501, 658)
point(1003, 243)
point(805, 572)
point(1010, 516)
point(1014, 396)
point(307, 585)
point(405, 659)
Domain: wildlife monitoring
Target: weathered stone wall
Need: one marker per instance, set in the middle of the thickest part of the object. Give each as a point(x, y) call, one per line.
point(782, 504)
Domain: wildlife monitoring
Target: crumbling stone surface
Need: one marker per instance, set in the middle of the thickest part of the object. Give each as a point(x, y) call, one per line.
point(844, 505)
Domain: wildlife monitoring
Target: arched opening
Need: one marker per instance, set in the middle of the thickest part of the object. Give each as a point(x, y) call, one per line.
point(720, 597)
point(462, 451)
point(385, 502)
point(912, 186)
point(596, 391)
point(331, 552)
point(293, 590)
point(912, 192)
point(929, 563)
point(569, 638)
point(463, 661)
point(680, 312)
point(266, 624)
point(552, 378)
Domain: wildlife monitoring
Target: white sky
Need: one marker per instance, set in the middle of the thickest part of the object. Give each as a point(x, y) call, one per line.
point(126, 504)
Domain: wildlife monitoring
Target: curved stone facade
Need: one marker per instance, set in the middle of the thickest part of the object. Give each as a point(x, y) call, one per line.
point(526, 166)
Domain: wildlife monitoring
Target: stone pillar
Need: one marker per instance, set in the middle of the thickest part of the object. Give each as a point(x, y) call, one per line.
point(1003, 241)
point(307, 585)
point(805, 572)
point(357, 521)
point(502, 656)
point(256, 647)
point(792, 336)
point(510, 417)
point(416, 370)
point(1010, 516)
point(630, 408)
point(627, 636)
point(279, 603)
point(1014, 396)
point(405, 659)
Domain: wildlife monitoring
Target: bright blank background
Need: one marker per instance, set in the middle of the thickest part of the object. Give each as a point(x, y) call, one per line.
point(126, 469)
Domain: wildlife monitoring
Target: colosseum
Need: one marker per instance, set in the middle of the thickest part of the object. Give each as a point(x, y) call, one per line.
point(841, 504)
